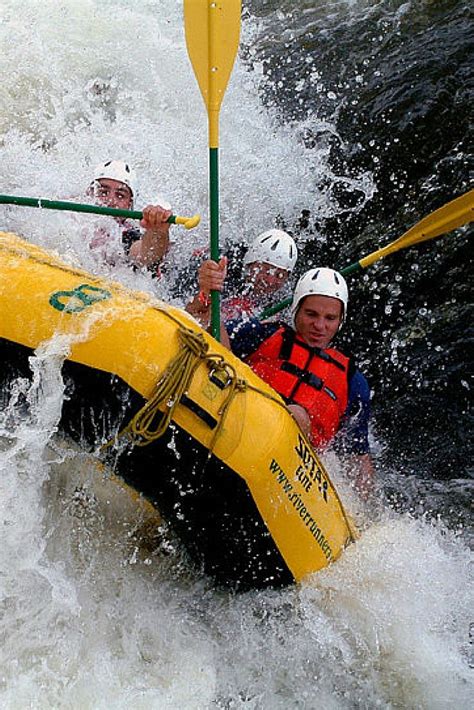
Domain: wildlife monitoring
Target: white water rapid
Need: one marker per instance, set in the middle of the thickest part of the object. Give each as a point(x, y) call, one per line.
point(90, 617)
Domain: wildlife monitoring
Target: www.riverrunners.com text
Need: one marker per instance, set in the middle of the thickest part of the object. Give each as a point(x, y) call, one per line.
point(295, 499)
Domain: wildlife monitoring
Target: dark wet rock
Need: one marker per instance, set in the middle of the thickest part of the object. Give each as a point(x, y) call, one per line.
point(395, 81)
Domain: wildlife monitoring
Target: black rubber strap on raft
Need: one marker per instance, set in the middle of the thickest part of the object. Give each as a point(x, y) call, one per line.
point(199, 411)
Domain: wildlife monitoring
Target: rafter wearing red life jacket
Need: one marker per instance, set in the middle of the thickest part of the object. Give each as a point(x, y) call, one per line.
point(315, 379)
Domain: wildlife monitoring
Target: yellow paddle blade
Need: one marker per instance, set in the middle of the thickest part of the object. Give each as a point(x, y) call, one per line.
point(455, 214)
point(212, 29)
point(188, 222)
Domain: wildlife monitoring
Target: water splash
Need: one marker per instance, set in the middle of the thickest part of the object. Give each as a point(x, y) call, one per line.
point(95, 610)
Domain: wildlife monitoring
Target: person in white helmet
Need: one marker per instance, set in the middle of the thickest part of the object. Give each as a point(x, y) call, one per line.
point(323, 389)
point(268, 262)
point(114, 184)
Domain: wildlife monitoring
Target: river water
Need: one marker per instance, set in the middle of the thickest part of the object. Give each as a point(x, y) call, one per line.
point(346, 123)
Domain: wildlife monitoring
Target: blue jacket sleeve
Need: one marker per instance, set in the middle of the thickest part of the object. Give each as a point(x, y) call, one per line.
point(355, 426)
point(247, 334)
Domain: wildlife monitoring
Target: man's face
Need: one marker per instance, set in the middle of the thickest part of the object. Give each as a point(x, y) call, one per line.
point(318, 319)
point(112, 193)
point(266, 279)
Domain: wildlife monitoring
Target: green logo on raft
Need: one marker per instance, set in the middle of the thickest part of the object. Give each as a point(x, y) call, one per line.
point(80, 298)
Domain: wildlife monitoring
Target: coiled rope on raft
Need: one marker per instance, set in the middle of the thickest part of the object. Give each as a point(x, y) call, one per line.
point(153, 419)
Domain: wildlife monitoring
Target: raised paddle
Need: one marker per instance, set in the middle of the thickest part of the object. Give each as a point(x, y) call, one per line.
point(212, 31)
point(187, 222)
point(454, 214)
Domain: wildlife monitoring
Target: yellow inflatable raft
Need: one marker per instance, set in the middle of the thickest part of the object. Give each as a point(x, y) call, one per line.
point(182, 421)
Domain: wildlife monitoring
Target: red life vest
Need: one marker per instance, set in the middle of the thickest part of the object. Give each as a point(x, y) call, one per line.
point(314, 378)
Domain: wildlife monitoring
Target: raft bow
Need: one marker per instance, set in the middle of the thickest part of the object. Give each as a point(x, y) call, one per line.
point(181, 420)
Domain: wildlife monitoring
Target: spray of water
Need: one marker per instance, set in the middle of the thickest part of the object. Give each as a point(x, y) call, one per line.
point(95, 610)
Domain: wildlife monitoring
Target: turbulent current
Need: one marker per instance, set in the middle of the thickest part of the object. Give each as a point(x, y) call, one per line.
point(345, 122)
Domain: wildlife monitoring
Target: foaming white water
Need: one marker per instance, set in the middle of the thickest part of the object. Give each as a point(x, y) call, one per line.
point(95, 615)
point(96, 611)
point(86, 82)
point(79, 629)
point(400, 601)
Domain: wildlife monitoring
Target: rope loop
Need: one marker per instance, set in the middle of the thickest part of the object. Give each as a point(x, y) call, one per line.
point(195, 342)
point(151, 422)
point(169, 389)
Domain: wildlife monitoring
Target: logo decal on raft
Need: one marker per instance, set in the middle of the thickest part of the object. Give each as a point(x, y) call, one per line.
point(310, 471)
point(78, 299)
point(297, 502)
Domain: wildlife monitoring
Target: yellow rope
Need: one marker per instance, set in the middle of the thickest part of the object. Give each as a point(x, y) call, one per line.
point(174, 382)
point(169, 390)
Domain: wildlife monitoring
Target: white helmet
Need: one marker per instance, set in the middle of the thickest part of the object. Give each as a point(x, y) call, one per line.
point(320, 282)
point(117, 170)
point(273, 247)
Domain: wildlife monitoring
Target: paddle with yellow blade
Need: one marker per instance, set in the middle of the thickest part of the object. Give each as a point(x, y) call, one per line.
point(212, 30)
point(187, 222)
point(454, 214)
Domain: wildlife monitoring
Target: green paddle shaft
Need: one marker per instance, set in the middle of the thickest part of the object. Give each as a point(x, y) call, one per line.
point(271, 310)
point(91, 209)
point(214, 237)
point(352, 268)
